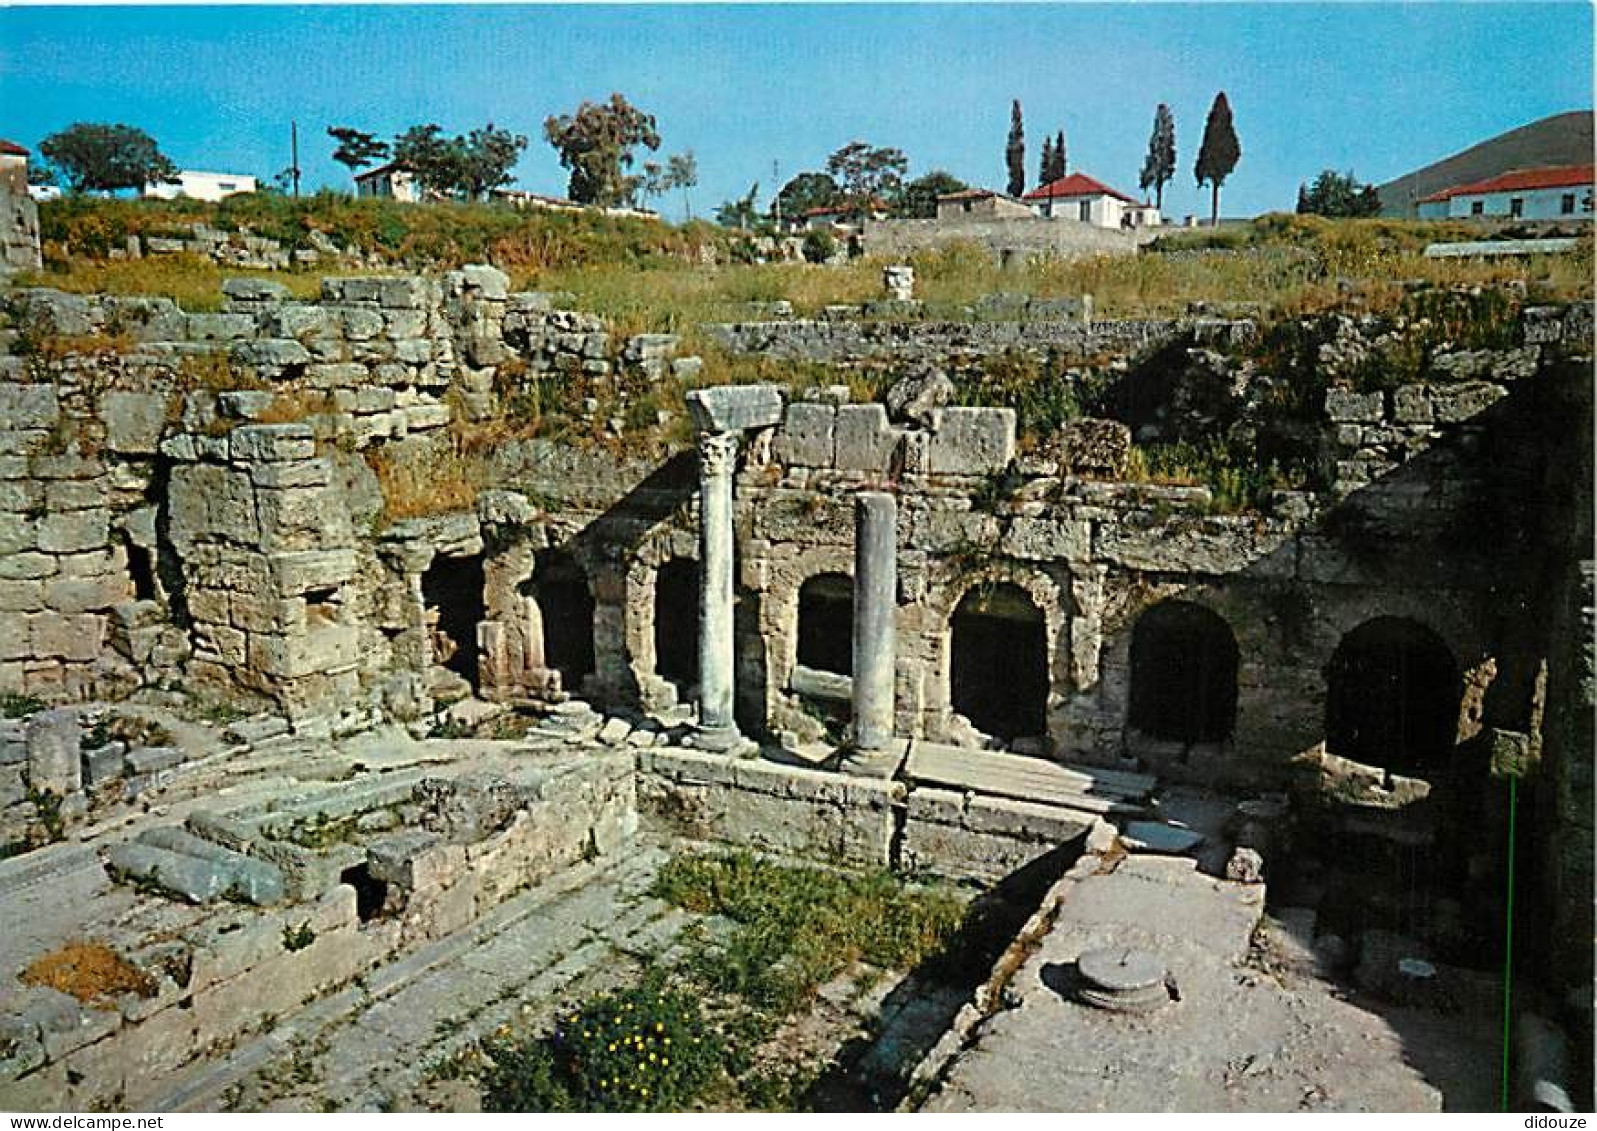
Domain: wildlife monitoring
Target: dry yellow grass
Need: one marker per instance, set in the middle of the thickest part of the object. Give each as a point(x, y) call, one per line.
point(444, 478)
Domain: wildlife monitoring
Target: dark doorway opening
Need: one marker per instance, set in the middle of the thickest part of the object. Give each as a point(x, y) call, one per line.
point(561, 589)
point(1392, 698)
point(999, 669)
point(676, 623)
point(826, 623)
point(1183, 674)
point(371, 894)
point(141, 572)
point(451, 591)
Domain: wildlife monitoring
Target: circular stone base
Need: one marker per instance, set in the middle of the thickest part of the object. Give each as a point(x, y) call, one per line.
point(1123, 979)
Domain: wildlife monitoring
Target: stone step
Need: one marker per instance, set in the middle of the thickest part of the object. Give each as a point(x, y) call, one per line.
point(1028, 779)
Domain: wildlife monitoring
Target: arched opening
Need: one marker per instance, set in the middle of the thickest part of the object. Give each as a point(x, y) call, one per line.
point(1392, 698)
point(561, 590)
point(676, 623)
point(1183, 674)
point(451, 594)
point(826, 623)
point(998, 672)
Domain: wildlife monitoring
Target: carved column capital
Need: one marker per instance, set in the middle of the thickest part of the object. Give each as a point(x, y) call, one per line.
point(717, 454)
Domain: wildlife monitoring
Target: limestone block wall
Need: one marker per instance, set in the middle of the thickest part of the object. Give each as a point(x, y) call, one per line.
point(846, 341)
point(19, 231)
point(1024, 236)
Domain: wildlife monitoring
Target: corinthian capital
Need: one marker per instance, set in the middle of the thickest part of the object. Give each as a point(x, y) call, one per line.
point(717, 453)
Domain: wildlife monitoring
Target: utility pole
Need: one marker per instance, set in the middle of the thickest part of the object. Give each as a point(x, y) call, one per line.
point(293, 145)
point(776, 200)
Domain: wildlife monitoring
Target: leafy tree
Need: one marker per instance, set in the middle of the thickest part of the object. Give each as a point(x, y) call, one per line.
point(652, 184)
point(807, 191)
point(919, 199)
point(436, 160)
point(596, 144)
point(867, 174)
point(1059, 166)
point(1045, 169)
point(740, 213)
point(681, 172)
point(1218, 154)
point(1160, 164)
point(1015, 151)
point(1338, 194)
point(355, 148)
point(104, 158)
point(486, 157)
point(42, 173)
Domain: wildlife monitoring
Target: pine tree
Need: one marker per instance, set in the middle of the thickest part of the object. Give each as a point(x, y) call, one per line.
point(1015, 152)
point(1218, 154)
point(1045, 172)
point(1304, 207)
point(1060, 165)
point(1160, 164)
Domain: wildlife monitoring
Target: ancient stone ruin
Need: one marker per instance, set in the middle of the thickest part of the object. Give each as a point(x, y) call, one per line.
point(894, 634)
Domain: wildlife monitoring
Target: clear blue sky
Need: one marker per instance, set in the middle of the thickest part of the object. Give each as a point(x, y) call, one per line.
point(1379, 88)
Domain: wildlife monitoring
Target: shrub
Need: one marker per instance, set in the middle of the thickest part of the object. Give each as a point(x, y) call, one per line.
point(819, 246)
point(643, 1048)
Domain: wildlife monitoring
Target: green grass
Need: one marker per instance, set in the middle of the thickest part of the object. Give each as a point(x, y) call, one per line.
point(799, 927)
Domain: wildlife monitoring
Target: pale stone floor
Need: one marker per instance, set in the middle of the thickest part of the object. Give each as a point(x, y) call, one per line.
point(1255, 1027)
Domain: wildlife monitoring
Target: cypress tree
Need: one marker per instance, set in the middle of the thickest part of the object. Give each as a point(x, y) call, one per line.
point(1160, 165)
point(1218, 154)
point(1060, 165)
point(1015, 152)
point(1045, 172)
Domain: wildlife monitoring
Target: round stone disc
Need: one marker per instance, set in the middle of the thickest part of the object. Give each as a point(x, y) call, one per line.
point(1120, 969)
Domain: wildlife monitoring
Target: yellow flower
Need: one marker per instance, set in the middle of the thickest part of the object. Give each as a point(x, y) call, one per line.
point(659, 1027)
point(664, 1060)
point(612, 1046)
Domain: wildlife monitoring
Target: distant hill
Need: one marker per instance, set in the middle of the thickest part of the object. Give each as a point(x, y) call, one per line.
point(1563, 139)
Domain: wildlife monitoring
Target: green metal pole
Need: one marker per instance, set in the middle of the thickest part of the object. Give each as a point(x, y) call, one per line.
point(1508, 945)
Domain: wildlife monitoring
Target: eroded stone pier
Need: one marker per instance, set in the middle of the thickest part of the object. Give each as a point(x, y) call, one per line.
point(875, 605)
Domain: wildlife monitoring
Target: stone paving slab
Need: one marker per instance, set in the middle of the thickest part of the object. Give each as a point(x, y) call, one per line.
point(1237, 1039)
point(1028, 779)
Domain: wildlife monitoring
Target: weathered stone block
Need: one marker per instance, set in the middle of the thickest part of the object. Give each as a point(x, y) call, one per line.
point(254, 290)
point(1045, 539)
point(971, 441)
point(1453, 404)
point(75, 494)
point(79, 637)
point(1411, 404)
point(808, 436)
point(54, 760)
point(271, 442)
point(1092, 447)
point(71, 531)
point(253, 880)
point(25, 565)
point(219, 327)
point(28, 406)
point(83, 594)
point(1344, 405)
point(864, 441)
point(312, 569)
point(187, 877)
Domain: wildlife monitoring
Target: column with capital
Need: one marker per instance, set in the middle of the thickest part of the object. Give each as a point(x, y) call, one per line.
point(717, 724)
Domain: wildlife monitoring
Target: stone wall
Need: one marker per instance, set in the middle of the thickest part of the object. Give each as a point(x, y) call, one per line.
point(847, 341)
point(19, 232)
point(1021, 237)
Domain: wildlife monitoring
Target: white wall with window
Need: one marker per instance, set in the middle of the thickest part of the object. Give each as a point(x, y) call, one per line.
point(201, 186)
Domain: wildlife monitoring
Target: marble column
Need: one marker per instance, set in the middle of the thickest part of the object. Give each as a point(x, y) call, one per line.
point(875, 606)
point(717, 724)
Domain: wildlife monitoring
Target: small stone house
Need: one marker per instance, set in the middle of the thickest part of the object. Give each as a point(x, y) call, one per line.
point(1554, 193)
point(981, 204)
point(1080, 197)
point(14, 166)
point(194, 185)
point(392, 181)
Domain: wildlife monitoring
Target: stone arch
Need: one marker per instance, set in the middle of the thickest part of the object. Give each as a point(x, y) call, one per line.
point(561, 590)
point(1183, 674)
point(676, 623)
point(824, 637)
point(1047, 593)
point(1393, 693)
point(998, 668)
point(453, 606)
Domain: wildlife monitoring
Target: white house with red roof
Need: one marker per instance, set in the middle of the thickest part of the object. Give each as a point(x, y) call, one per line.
point(1080, 197)
point(14, 166)
point(1561, 192)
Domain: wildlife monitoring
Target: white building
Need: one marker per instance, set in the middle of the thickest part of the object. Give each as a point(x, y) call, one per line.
point(980, 204)
point(14, 166)
point(1079, 197)
point(392, 181)
point(1556, 193)
point(201, 186)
